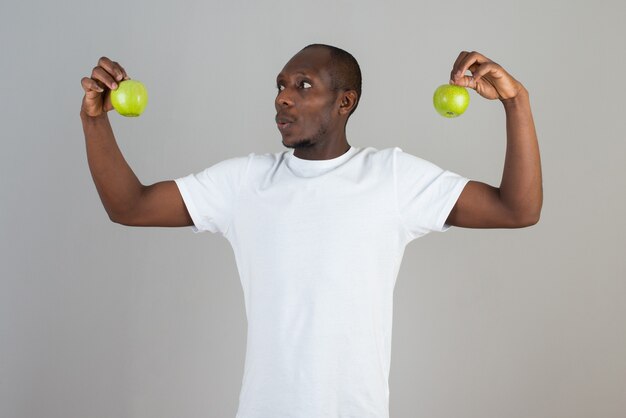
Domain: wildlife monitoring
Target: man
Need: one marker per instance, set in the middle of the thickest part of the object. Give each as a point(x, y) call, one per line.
point(319, 233)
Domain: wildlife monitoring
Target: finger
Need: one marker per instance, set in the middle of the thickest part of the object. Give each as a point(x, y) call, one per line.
point(469, 60)
point(124, 75)
point(472, 68)
point(484, 69)
point(462, 55)
point(100, 74)
point(108, 105)
point(113, 68)
point(465, 81)
point(90, 85)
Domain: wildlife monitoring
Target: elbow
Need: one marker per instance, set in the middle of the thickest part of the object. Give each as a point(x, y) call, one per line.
point(528, 219)
point(115, 219)
point(528, 214)
point(119, 219)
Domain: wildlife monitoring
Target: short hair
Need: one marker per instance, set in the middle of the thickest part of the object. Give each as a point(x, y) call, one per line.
point(345, 72)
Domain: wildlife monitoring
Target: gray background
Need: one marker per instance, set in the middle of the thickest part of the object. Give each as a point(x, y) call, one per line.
point(102, 320)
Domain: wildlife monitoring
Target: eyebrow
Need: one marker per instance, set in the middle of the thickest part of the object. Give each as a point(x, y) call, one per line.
point(281, 75)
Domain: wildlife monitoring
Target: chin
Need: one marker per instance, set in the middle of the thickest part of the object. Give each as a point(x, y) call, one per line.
point(298, 144)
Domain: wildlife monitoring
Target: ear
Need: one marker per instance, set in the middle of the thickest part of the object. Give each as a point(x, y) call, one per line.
point(348, 101)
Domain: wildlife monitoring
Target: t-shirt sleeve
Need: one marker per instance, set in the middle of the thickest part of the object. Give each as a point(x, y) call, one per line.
point(425, 193)
point(211, 195)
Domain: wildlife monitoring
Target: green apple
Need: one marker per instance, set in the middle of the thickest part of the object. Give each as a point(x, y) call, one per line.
point(130, 98)
point(451, 101)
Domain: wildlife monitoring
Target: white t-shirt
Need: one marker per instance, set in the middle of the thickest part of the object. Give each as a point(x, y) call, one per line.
point(318, 246)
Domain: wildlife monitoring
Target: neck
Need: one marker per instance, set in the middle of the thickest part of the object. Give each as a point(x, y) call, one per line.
point(321, 151)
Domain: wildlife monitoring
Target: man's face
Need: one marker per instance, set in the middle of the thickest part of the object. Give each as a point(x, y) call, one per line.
point(306, 105)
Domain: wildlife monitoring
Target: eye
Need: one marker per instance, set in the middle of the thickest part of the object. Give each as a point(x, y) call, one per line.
point(280, 87)
point(305, 85)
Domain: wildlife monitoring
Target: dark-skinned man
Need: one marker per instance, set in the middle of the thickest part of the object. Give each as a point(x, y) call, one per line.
point(319, 232)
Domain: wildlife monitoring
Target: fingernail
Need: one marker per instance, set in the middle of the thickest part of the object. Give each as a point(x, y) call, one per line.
point(113, 86)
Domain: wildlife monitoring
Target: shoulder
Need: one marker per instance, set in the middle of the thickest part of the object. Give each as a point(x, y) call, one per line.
point(261, 163)
point(394, 159)
point(246, 162)
point(398, 161)
point(394, 154)
point(404, 161)
point(377, 156)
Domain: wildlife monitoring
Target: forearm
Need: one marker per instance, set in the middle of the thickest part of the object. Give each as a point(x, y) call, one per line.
point(115, 181)
point(521, 188)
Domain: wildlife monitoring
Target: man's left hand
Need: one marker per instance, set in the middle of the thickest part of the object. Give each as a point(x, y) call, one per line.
point(488, 78)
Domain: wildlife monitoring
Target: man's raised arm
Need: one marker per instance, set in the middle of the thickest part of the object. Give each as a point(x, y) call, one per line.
point(125, 199)
point(517, 202)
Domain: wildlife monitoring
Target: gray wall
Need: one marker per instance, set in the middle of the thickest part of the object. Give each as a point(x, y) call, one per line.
point(102, 320)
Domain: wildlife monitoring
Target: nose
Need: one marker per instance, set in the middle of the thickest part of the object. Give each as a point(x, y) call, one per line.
point(283, 99)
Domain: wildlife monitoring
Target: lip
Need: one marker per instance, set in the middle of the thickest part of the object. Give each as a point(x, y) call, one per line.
point(283, 126)
point(284, 122)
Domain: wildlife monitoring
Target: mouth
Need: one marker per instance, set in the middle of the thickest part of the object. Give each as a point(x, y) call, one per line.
point(284, 122)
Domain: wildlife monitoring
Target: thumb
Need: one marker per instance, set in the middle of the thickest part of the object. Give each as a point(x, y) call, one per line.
point(464, 81)
point(107, 101)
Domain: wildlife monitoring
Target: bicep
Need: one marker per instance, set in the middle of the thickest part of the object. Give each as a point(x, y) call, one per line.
point(160, 204)
point(479, 206)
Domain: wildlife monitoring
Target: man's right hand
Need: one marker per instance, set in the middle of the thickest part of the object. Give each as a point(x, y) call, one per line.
point(104, 78)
